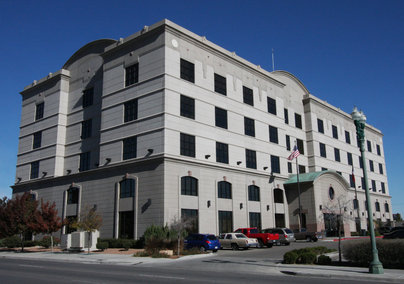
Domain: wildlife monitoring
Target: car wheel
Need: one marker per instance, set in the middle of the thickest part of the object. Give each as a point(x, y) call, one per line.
point(269, 245)
point(202, 249)
point(308, 239)
point(215, 250)
point(260, 244)
point(234, 246)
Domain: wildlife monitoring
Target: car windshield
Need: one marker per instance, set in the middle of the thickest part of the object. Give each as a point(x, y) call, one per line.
point(211, 237)
point(241, 236)
point(288, 231)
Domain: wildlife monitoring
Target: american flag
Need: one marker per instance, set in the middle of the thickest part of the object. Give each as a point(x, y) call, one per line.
point(294, 154)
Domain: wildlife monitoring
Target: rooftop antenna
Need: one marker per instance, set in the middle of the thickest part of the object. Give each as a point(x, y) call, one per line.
point(273, 60)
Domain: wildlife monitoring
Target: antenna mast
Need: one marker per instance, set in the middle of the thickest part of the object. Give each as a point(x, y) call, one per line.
point(273, 60)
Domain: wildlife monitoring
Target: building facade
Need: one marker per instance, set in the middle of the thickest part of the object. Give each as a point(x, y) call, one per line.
point(164, 124)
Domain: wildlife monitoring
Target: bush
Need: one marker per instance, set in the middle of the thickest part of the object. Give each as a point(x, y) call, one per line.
point(290, 257)
point(126, 244)
point(46, 241)
point(307, 258)
point(30, 243)
point(102, 245)
point(12, 242)
point(304, 255)
point(122, 243)
point(324, 260)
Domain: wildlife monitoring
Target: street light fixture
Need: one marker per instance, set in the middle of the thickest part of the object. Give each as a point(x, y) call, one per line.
point(359, 119)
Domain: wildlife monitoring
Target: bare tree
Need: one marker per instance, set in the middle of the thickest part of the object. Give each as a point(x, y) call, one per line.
point(182, 226)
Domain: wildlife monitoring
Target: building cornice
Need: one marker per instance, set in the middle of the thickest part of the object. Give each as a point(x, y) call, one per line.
point(60, 74)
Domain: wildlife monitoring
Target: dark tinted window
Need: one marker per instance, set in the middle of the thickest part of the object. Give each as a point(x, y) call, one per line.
point(300, 146)
point(253, 193)
point(222, 153)
point(130, 110)
point(86, 128)
point(337, 155)
point(34, 170)
point(187, 107)
point(224, 189)
point(323, 152)
point(369, 146)
point(129, 148)
point(37, 141)
point(275, 166)
point(320, 125)
point(189, 186)
point(286, 115)
point(271, 103)
point(334, 132)
point(84, 161)
point(127, 188)
point(39, 111)
point(298, 121)
point(187, 71)
point(349, 157)
point(288, 142)
point(248, 97)
point(221, 117)
point(249, 127)
point(347, 137)
point(378, 150)
point(131, 74)
point(273, 134)
point(187, 147)
point(73, 195)
point(251, 159)
point(220, 84)
point(88, 97)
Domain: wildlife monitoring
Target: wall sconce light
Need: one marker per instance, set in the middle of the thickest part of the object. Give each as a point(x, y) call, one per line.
point(321, 207)
point(207, 156)
point(267, 207)
point(265, 168)
point(208, 203)
point(44, 173)
point(238, 163)
point(68, 172)
point(150, 151)
point(108, 160)
point(241, 205)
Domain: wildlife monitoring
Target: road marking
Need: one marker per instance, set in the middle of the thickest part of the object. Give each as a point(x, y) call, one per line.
point(158, 276)
point(28, 265)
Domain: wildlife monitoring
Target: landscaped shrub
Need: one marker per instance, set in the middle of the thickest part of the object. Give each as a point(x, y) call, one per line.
point(46, 241)
point(30, 243)
point(304, 255)
point(290, 257)
point(307, 258)
point(122, 243)
point(102, 245)
point(12, 242)
point(324, 260)
point(126, 244)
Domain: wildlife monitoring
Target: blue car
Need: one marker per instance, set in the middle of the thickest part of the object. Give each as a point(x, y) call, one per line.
point(202, 241)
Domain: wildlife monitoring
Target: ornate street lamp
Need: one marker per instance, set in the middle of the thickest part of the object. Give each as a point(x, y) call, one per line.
point(359, 119)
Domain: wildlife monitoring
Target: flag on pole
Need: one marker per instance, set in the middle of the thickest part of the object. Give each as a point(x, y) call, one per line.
point(294, 153)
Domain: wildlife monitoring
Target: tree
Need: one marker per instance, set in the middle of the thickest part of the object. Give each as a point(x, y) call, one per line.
point(182, 227)
point(89, 222)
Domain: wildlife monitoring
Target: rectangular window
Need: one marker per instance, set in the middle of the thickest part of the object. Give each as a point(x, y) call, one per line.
point(190, 215)
point(86, 128)
point(349, 157)
point(187, 71)
point(225, 221)
point(129, 148)
point(251, 159)
point(347, 137)
point(302, 169)
point(337, 155)
point(221, 117)
point(222, 153)
point(298, 121)
point(126, 224)
point(130, 110)
point(88, 96)
point(286, 114)
point(334, 132)
point(224, 190)
point(34, 170)
point(288, 142)
point(220, 84)
point(187, 107)
point(363, 183)
point(249, 127)
point(380, 168)
point(372, 169)
point(37, 140)
point(323, 152)
point(131, 74)
point(84, 161)
point(360, 162)
point(187, 145)
point(189, 186)
point(289, 167)
point(374, 186)
point(369, 146)
point(255, 220)
point(378, 150)
point(320, 125)
point(275, 166)
point(248, 97)
point(39, 111)
point(300, 146)
point(351, 181)
point(254, 193)
point(271, 103)
point(73, 195)
point(383, 187)
point(127, 188)
point(273, 134)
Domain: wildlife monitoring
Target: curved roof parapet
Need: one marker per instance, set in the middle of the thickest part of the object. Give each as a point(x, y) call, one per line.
point(293, 77)
point(310, 177)
point(96, 46)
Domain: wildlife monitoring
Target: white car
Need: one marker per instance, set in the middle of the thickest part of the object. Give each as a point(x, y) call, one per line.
point(236, 241)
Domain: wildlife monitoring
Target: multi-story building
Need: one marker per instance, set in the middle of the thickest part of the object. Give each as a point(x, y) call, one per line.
point(165, 124)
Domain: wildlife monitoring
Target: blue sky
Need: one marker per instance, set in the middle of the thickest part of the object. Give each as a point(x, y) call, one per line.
point(345, 52)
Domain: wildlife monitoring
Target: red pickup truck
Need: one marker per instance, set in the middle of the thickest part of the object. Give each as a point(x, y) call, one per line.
point(266, 239)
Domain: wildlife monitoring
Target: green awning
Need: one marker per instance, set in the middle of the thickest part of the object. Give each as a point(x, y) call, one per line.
point(306, 177)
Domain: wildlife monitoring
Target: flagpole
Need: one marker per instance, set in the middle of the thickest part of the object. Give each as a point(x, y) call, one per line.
point(298, 192)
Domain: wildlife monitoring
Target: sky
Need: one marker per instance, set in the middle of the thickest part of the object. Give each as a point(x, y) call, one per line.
point(345, 52)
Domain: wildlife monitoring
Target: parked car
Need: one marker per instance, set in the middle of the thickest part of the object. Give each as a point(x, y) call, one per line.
point(202, 241)
point(236, 241)
point(308, 236)
point(286, 235)
point(396, 234)
point(266, 239)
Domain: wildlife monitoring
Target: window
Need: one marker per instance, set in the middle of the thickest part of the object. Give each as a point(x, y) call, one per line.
point(377, 205)
point(355, 204)
point(37, 140)
point(380, 168)
point(73, 195)
point(288, 142)
point(84, 161)
point(349, 158)
point(363, 183)
point(347, 137)
point(302, 169)
point(187, 147)
point(369, 146)
point(189, 186)
point(323, 152)
point(248, 97)
point(187, 107)
point(187, 71)
point(190, 215)
point(386, 207)
point(372, 169)
point(320, 125)
point(360, 162)
point(127, 188)
point(337, 155)
point(383, 187)
point(225, 221)
point(34, 170)
point(249, 127)
point(88, 97)
point(278, 195)
point(340, 173)
point(289, 167)
point(39, 111)
point(220, 84)
point(273, 134)
point(126, 224)
point(275, 167)
point(280, 220)
point(129, 148)
point(351, 181)
point(255, 220)
point(222, 153)
point(132, 74)
point(374, 186)
point(253, 193)
point(271, 103)
point(334, 132)
point(221, 117)
point(70, 220)
point(251, 159)
point(286, 114)
point(130, 110)
point(300, 146)
point(224, 189)
point(86, 128)
point(378, 150)
point(298, 121)
point(323, 169)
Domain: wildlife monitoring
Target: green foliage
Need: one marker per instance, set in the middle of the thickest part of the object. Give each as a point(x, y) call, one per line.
point(120, 243)
point(30, 243)
point(391, 252)
point(160, 237)
point(126, 244)
point(290, 257)
point(12, 242)
point(102, 245)
point(324, 260)
point(153, 254)
point(304, 255)
point(307, 258)
point(46, 241)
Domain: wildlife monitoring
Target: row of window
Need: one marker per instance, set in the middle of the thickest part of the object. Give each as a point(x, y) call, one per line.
point(377, 206)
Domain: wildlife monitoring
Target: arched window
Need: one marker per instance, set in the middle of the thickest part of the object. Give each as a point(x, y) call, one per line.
point(278, 195)
point(224, 189)
point(386, 207)
point(189, 186)
point(127, 187)
point(253, 193)
point(377, 205)
point(73, 195)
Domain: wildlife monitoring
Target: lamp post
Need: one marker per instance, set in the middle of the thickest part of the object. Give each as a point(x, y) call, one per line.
point(359, 119)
